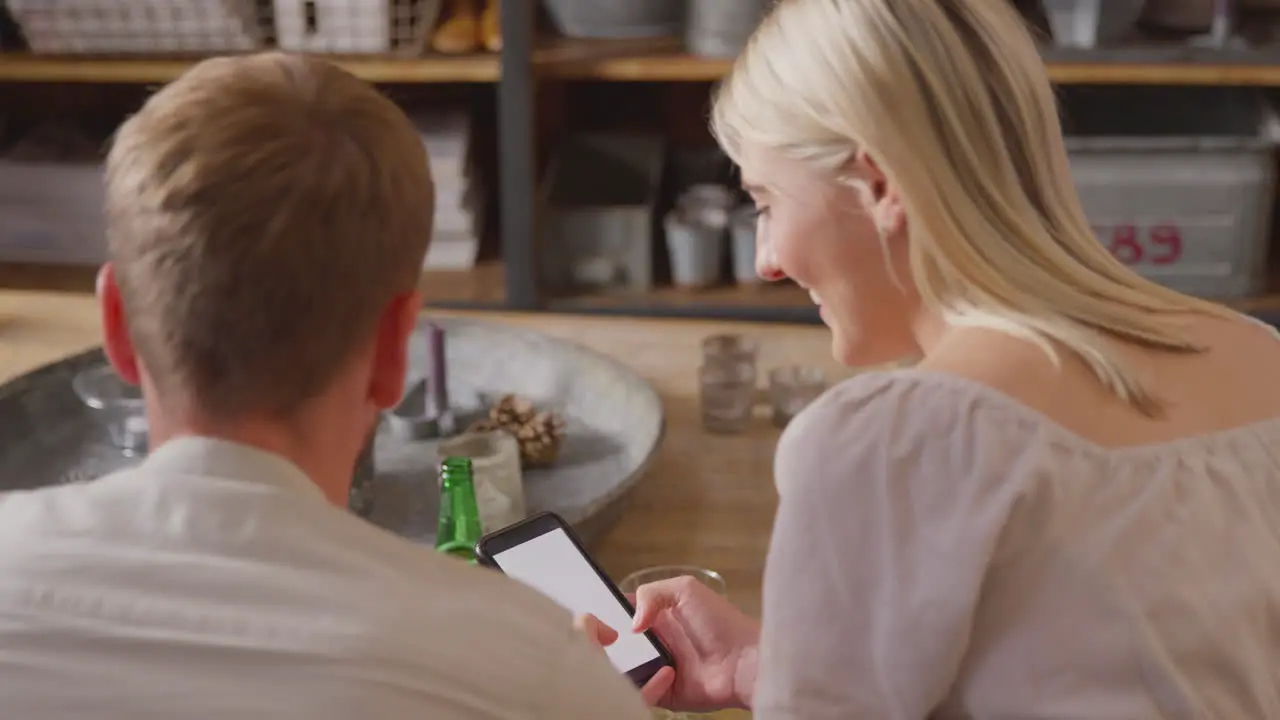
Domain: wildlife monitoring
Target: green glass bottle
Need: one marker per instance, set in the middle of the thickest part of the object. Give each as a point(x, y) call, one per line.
point(459, 528)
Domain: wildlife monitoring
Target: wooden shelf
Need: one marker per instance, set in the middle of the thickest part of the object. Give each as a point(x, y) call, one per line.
point(1181, 73)
point(1151, 64)
point(653, 61)
point(485, 285)
point(26, 67)
point(784, 298)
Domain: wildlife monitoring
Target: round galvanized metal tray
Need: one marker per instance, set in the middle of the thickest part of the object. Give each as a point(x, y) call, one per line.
point(614, 424)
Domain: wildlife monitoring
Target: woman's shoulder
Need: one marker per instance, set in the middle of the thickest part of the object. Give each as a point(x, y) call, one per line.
point(906, 421)
point(914, 403)
point(917, 447)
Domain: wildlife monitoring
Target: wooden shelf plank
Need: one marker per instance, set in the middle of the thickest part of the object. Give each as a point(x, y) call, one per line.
point(27, 67)
point(483, 285)
point(632, 62)
point(1143, 64)
point(1175, 73)
point(681, 68)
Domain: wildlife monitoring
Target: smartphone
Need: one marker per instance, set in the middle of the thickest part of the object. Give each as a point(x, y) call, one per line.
point(543, 552)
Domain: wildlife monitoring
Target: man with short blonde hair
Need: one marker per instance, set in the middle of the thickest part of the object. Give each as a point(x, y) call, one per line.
point(263, 212)
point(267, 218)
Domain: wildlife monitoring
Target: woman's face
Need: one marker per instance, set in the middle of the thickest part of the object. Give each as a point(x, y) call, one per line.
point(823, 233)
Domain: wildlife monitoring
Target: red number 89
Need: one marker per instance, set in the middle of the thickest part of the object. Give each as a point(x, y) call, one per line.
point(1164, 245)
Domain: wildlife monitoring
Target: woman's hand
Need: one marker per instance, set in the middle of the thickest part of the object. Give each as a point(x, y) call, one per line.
point(603, 636)
point(713, 643)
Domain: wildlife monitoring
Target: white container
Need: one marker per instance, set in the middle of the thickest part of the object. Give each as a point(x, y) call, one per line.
point(495, 468)
point(721, 28)
point(696, 251)
point(742, 231)
point(138, 26)
point(1178, 182)
point(1089, 23)
point(355, 26)
point(696, 232)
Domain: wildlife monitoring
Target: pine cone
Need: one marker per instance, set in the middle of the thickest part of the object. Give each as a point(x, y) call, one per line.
point(540, 434)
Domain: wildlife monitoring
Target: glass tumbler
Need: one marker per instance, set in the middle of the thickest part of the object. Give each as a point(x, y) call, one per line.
point(119, 404)
point(729, 349)
point(710, 578)
point(727, 394)
point(792, 388)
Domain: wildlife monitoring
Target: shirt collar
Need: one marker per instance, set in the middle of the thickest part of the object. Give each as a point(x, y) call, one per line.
point(212, 457)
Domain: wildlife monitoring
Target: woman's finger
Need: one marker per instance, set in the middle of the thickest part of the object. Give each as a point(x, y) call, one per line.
point(659, 686)
point(597, 632)
point(673, 635)
point(653, 598)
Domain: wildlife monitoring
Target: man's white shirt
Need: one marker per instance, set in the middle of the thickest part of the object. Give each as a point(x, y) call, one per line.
point(215, 581)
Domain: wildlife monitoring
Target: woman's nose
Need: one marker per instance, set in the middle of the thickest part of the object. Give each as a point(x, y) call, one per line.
point(767, 260)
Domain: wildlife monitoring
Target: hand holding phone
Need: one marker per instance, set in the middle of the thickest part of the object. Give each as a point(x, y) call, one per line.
point(544, 553)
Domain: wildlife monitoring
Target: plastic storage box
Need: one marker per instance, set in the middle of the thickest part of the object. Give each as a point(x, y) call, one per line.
point(596, 221)
point(138, 26)
point(355, 26)
point(1178, 182)
point(51, 198)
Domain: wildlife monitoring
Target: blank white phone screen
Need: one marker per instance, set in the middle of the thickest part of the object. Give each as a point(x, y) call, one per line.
point(552, 565)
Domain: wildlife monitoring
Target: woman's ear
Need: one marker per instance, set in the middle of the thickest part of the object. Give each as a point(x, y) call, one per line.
point(880, 196)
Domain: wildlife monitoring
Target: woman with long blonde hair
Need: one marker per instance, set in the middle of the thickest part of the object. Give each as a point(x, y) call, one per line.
point(1069, 507)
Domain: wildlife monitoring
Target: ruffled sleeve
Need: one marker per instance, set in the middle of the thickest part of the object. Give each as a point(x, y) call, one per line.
point(892, 500)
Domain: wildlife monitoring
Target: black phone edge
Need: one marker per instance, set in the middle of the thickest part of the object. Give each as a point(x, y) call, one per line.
point(638, 675)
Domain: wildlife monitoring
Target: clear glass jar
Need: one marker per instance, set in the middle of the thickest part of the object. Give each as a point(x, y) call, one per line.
point(119, 405)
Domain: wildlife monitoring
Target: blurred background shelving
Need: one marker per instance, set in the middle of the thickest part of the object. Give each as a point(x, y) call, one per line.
point(536, 93)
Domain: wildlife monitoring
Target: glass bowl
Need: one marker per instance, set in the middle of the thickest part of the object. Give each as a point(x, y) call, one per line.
point(710, 578)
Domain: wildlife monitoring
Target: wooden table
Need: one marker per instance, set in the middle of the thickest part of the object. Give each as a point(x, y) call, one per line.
point(708, 500)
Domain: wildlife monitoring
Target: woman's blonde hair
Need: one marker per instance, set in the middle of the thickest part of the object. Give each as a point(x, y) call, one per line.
point(952, 101)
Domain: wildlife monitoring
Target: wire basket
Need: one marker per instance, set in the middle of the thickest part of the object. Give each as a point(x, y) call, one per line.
point(355, 26)
point(138, 26)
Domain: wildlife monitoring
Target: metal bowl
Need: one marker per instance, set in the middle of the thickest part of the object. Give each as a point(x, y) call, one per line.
point(614, 424)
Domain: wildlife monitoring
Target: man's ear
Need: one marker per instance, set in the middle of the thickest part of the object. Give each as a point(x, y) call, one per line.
point(391, 349)
point(115, 327)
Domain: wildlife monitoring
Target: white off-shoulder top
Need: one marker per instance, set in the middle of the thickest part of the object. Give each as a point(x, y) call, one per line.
point(941, 550)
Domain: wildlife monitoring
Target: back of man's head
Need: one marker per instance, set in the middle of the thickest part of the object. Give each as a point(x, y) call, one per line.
point(262, 211)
